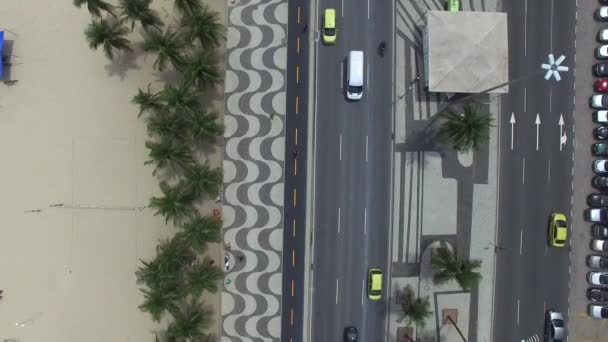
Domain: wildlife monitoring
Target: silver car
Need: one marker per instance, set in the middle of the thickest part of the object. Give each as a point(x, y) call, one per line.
point(597, 261)
point(555, 328)
point(599, 245)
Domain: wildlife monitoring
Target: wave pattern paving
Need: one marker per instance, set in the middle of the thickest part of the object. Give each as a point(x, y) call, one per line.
point(253, 169)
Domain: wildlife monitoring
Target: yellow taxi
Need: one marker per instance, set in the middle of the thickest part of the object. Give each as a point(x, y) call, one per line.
point(558, 230)
point(329, 26)
point(374, 280)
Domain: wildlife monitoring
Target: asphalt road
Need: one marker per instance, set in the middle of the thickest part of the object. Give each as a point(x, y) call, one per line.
point(296, 137)
point(352, 174)
point(535, 177)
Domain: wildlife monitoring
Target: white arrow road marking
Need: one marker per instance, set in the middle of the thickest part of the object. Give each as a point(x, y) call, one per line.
point(537, 123)
point(512, 122)
point(562, 135)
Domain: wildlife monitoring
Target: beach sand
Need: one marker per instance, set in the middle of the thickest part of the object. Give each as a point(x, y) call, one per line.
point(73, 182)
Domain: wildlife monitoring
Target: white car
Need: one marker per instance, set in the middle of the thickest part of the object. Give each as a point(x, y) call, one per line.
point(597, 215)
point(600, 166)
point(602, 52)
point(601, 116)
point(598, 278)
point(598, 311)
point(599, 101)
point(602, 13)
point(602, 35)
point(599, 245)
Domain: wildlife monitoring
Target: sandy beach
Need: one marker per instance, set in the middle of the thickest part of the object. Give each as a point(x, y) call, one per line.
point(74, 185)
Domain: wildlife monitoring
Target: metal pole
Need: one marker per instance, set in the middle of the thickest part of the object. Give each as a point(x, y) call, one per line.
point(456, 326)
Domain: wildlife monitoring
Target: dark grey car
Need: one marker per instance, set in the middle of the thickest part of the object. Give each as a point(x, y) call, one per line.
point(601, 133)
point(351, 334)
point(599, 231)
point(600, 182)
point(597, 200)
point(600, 69)
point(597, 295)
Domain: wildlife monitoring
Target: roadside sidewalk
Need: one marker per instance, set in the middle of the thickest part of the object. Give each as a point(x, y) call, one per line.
point(254, 169)
point(429, 179)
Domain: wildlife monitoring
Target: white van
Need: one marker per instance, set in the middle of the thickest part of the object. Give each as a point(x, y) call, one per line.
point(354, 75)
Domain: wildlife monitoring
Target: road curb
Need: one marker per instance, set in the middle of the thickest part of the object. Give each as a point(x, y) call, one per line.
point(310, 181)
point(392, 179)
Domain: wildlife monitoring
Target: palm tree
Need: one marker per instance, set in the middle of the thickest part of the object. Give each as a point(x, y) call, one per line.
point(181, 98)
point(165, 271)
point(168, 46)
point(204, 277)
point(111, 35)
point(147, 101)
point(204, 127)
point(417, 309)
point(202, 179)
point(169, 153)
point(96, 6)
point(167, 125)
point(201, 71)
point(187, 6)
point(466, 131)
point(157, 301)
point(139, 10)
point(200, 230)
point(449, 267)
point(203, 25)
point(173, 204)
point(189, 323)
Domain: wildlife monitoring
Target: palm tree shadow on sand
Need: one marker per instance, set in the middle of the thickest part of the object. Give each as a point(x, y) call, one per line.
point(122, 64)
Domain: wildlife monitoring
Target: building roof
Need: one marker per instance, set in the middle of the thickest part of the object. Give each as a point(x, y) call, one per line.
point(466, 52)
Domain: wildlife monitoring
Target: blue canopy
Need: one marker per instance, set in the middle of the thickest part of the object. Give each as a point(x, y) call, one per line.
point(1, 45)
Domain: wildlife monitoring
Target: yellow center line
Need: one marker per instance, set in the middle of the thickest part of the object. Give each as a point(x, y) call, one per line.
point(294, 198)
point(297, 104)
point(293, 258)
point(297, 74)
point(295, 167)
point(294, 228)
point(298, 45)
point(292, 317)
point(292, 287)
point(296, 136)
point(299, 9)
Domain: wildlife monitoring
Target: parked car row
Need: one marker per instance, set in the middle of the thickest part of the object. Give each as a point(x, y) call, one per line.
point(598, 202)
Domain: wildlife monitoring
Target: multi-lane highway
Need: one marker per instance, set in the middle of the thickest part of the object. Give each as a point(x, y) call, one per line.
point(352, 174)
point(535, 169)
